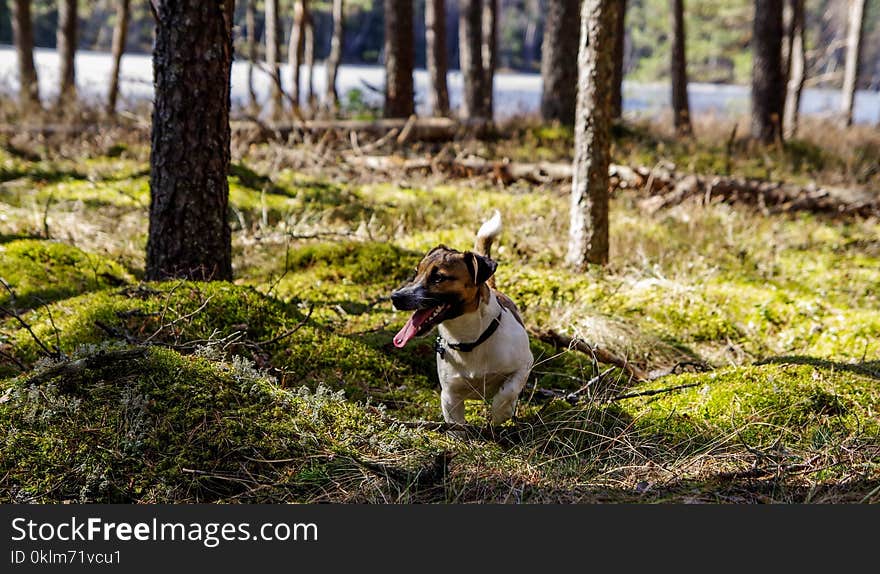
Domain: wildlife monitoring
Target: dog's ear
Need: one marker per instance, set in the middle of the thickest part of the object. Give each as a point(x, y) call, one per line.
point(481, 268)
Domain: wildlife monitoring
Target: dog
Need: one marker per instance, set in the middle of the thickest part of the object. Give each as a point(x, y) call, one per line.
point(483, 346)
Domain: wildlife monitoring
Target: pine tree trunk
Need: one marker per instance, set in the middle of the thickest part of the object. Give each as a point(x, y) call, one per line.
point(273, 60)
point(796, 68)
point(559, 67)
point(337, 41)
point(470, 31)
point(435, 55)
point(296, 48)
point(309, 60)
point(399, 59)
point(617, 81)
point(489, 51)
point(250, 19)
point(853, 56)
point(530, 37)
point(120, 32)
point(588, 233)
point(23, 32)
point(189, 233)
point(681, 110)
point(66, 45)
point(768, 80)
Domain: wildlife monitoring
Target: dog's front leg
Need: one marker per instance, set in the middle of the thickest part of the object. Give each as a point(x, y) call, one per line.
point(452, 405)
point(504, 402)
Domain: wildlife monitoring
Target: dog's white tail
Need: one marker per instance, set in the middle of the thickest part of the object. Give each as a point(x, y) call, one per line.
point(490, 229)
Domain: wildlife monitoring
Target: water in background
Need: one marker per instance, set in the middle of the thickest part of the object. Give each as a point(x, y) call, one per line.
point(515, 94)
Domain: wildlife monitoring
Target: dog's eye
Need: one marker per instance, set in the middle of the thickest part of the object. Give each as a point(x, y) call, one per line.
point(439, 277)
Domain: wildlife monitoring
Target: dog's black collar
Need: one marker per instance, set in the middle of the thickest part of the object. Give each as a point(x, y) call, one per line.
point(440, 344)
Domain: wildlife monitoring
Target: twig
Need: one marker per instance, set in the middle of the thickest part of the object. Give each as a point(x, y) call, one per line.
point(598, 354)
point(15, 315)
point(72, 368)
point(652, 392)
point(179, 319)
point(18, 363)
point(290, 332)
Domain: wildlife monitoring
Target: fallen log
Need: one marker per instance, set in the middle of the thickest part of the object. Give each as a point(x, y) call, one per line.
point(600, 355)
point(410, 129)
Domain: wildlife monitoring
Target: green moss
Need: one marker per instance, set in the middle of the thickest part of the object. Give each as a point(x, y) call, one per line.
point(791, 404)
point(45, 271)
point(173, 428)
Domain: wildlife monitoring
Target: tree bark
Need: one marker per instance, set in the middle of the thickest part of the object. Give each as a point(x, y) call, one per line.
point(768, 80)
point(399, 58)
point(276, 96)
point(796, 68)
point(588, 232)
point(23, 32)
point(250, 19)
point(296, 47)
point(309, 60)
point(435, 55)
point(189, 234)
point(489, 54)
point(854, 30)
point(681, 110)
point(337, 41)
point(617, 82)
point(470, 31)
point(66, 45)
point(559, 67)
point(120, 32)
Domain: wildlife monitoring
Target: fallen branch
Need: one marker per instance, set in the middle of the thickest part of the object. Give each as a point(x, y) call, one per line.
point(652, 392)
point(598, 354)
point(74, 368)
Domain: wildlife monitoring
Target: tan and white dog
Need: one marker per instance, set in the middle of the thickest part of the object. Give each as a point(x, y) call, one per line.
point(483, 348)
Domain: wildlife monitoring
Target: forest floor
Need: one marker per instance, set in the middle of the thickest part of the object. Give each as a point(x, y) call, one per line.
point(284, 386)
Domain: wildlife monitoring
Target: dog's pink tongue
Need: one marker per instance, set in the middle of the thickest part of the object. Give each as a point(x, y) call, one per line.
point(409, 330)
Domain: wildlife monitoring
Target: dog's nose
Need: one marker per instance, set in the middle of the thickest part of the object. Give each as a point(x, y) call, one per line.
point(398, 299)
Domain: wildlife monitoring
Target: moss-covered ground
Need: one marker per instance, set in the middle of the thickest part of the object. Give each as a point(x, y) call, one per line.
point(284, 385)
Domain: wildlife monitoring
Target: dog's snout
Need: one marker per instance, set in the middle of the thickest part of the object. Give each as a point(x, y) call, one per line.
point(404, 299)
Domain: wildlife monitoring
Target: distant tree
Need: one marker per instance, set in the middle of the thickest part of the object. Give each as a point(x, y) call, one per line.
point(273, 59)
point(470, 32)
point(189, 233)
point(588, 232)
point(120, 31)
point(309, 60)
point(250, 19)
point(533, 24)
point(296, 48)
point(617, 80)
point(435, 55)
point(489, 53)
point(855, 26)
point(681, 110)
point(337, 41)
point(559, 67)
point(23, 33)
point(768, 80)
point(795, 67)
point(66, 44)
point(399, 59)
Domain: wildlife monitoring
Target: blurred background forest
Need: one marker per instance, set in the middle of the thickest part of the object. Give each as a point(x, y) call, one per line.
point(719, 32)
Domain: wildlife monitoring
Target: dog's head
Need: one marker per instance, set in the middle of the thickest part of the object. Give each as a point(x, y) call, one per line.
point(448, 283)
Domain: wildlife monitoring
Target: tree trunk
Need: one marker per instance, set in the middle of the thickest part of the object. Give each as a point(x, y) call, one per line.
point(617, 81)
point(435, 55)
point(768, 80)
point(309, 60)
point(296, 47)
point(399, 58)
point(189, 232)
point(66, 45)
point(120, 31)
point(276, 96)
point(337, 41)
point(559, 69)
point(489, 53)
point(796, 68)
point(530, 37)
point(23, 31)
point(250, 19)
point(853, 56)
point(681, 110)
point(470, 30)
point(588, 233)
